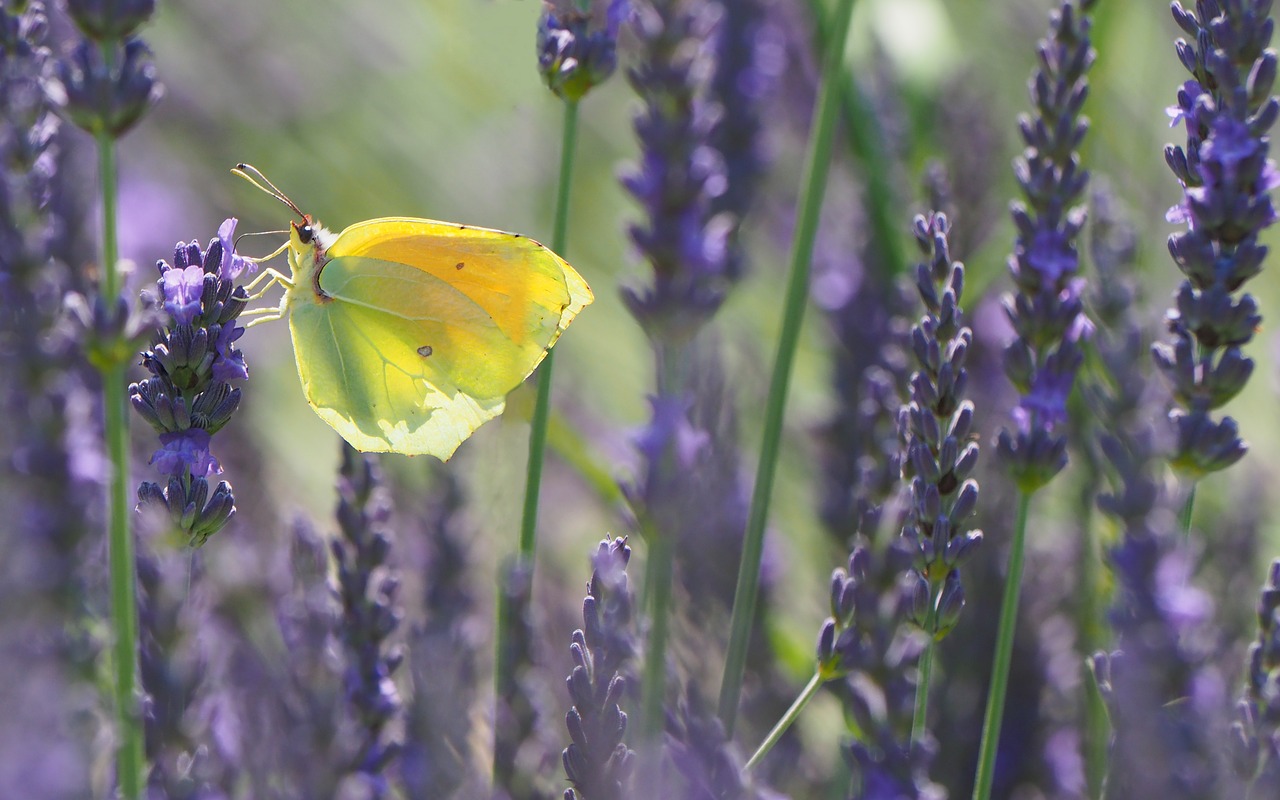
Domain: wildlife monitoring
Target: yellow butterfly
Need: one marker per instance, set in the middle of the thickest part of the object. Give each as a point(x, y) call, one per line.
point(409, 333)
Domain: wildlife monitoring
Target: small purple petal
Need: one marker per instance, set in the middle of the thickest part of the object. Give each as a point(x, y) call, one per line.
point(182, 289)
point(186, 451)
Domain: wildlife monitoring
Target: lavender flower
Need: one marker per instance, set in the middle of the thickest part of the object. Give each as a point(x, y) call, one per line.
point(515, 715)
point(174, 672)
point(1162, 700)
point(748, 63)
point(189, 397)
point(680, 173)
point(597, 761)
point(869, 653)
point(443, 651)
point(101, 96)
point(575, 52)
point(50, 447)
point(1257, 731)
point(44, 383)
point(935, 426)
point(707, 760)
point(1046, 312)
point(367, 589)
point(1226, 179)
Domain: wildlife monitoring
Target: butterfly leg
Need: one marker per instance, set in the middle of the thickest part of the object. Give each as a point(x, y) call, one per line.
point(263, 315)
point(272, 277)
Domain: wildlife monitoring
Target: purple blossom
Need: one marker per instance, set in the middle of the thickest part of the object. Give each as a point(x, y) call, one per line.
point(1227, 178)
point(228, 364)
point(182, 289)
point(680, 173)
point(189, 396)
point(186, 452)
point(669, 430)
point(232, 263)
point(1046, 312)
point(577, 52)
point(367, 589)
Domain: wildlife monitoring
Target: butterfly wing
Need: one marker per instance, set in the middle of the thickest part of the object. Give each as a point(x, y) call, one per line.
point(409, 352)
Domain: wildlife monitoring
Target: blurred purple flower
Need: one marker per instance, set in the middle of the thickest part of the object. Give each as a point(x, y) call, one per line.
point(669, 430)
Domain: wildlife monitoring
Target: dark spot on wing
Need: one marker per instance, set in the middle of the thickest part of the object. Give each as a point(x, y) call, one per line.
point(425, 350)
point(462, 227)
point(459, 265)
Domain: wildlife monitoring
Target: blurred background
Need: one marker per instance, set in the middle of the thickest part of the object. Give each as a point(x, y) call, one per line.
point(435, 108)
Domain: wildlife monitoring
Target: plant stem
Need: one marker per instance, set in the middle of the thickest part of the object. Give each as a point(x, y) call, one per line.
point(866, 140)
point(504, 656)
point(806, 694)
point(1184, 518)
point(1004, 654)
point(920, 719)
point(130, 758)
point(659, 569)
point(813, 187)
point(541, 408)
point(1096, 727)
point(658, 581)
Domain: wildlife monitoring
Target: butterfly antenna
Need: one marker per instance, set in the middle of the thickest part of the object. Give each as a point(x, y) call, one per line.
point(267, 257)
point(251, 174)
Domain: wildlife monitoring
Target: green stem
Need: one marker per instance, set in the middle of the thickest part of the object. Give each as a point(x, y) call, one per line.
point(866, 140)
point(813, 186)
point(504, 659)
point(806, 694)
point(1096, 728)
point(659, 570)
point(541, 409)
point(130, 758)
point(1184, 518)
point(1004, 654)
point(920, 720)
point(653, 688)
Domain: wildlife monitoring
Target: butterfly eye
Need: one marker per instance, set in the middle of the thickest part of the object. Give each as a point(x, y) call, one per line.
point(306, 234)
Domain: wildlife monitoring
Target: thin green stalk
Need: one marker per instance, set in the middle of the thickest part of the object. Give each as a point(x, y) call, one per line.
point(504, 656)
point(130, 758)
point(659, 569)
point(1096, 727)
point(654, 684)
point(809, 691)
point(866, 140)
point(541, 409)
point(920, 719)
point(1188, 507)
point(813, 187)
point(1004, 654)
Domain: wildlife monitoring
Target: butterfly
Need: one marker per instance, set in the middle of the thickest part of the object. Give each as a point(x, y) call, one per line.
point(409, 333)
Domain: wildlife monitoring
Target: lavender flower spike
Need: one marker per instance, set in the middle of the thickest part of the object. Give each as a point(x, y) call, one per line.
point(679, 174)
point(1046, 312)
point(597, 762)
point(935, 426)
point(1257, 732)
point(1226, 178)
point(189, 397)
point(367, 590)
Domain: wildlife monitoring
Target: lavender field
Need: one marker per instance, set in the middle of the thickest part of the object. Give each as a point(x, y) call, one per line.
point(918, 442)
